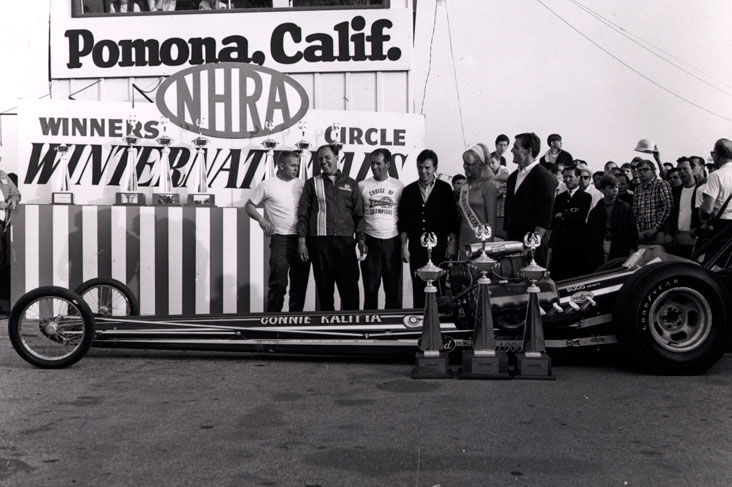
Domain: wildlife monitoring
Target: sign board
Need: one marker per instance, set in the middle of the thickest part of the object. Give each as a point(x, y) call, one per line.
point(334, 40)
point(98, 155)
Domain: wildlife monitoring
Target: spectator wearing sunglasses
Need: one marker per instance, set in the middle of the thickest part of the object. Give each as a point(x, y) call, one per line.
point(652, 204)
point(587, 186)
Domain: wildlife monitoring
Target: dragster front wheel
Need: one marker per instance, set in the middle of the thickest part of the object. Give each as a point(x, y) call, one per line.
point(51, 327)
point(108, 297)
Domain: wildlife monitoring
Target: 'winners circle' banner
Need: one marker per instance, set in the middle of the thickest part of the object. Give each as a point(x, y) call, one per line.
point(98, 155)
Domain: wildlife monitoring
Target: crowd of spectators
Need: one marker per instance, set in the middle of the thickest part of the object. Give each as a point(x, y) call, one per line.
point(585, 219)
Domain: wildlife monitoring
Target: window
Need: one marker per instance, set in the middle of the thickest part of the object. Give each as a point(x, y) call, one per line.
point(107, 7)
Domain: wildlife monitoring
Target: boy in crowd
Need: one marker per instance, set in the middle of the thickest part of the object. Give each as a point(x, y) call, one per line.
point(611, 226)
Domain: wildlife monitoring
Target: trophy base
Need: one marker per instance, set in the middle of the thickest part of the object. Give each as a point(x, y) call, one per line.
point(166, 199)
point(484, 367)
point(537, 368)
point(129, 199)
point(201, 199)
point(62, 198)
point(431, 367)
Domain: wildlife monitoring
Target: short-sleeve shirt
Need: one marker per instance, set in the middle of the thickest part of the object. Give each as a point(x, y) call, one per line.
point(280, 199)
point(719, 187)
point(380, 204)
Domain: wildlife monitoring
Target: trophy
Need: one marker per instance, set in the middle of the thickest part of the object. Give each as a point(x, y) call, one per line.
point(166, 196)
point(270, 144)
point(431, 362)
point(131, 194)
point(302, 148)
point(64, 196)
point(484, 361)
point(201, 197)
point(533, 362)
point(335, 134)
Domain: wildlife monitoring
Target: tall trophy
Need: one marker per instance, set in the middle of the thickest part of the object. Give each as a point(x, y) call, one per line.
point(64, 196)
point(270, 144)
point(166, 195)
point(130, 195)
point(533, 362)
point(201, 197)
point(484, 361)
point(431, 361)
point(303, 147)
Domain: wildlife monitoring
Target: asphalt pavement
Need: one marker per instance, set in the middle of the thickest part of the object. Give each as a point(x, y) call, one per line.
point(153, 418)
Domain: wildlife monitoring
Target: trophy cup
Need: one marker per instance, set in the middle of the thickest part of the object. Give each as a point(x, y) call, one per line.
point(166, 196)
point(431, 362)
point(64, 196)
point(335, 135)
point(533, 362)
point(201, 197)
point(302, 148)
point(270, 144)
point(131, 194)
point(484, 361)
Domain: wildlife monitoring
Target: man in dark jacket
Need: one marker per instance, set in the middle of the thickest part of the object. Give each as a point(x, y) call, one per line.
point(611, 226)
point(329, 223)
point(529, 194)
point(569, 229)
point(426, 206)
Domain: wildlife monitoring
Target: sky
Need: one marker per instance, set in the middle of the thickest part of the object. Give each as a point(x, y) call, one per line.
point(603, 74)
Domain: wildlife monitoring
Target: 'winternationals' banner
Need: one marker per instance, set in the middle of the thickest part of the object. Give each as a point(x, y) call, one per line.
point(98, 155)
point(289, 41)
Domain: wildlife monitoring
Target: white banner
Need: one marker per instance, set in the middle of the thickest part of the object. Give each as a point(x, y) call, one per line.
point(98, 155)
point(289, 41)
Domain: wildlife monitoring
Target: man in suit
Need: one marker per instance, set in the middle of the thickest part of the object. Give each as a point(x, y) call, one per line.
point(529, 194)
point(569, 228)
point(427, 205)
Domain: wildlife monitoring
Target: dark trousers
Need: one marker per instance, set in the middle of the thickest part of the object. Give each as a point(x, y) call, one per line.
point(283, 259)
point(334, 263)
point(383, 262)
point(418, 258)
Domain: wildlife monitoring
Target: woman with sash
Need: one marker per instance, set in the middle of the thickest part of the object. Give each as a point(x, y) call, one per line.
point(477, 202)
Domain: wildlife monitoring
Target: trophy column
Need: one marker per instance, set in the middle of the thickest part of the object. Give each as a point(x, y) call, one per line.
point(166, 196)
point(431, 362)
point(201, 197)
point(64, 196)
point(131, 194)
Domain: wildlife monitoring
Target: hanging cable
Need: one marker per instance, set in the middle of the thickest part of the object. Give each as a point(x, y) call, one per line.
point(454, 74)
point(667, 90)
point(640, 43)
point(429, 63)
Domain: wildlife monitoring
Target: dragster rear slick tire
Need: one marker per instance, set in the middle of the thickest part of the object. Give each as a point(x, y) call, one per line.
point(51, 327)
point(672, 318)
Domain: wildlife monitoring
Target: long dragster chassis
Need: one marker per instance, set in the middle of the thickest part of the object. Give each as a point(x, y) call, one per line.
point(670, 314)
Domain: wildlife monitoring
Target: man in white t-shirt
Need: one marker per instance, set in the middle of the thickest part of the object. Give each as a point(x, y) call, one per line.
point(684, 215)
point(717, 191)
point(280, 196)
point(383, 259)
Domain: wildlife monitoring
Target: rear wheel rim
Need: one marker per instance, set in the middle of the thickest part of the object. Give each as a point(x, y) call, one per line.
point(680, 319)
point(105, 300)
point(51, 328)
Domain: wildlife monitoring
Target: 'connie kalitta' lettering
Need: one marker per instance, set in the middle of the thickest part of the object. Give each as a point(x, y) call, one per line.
point(347, 42)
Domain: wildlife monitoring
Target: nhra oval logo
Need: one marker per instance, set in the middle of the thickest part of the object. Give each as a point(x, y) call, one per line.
point(232, 100)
